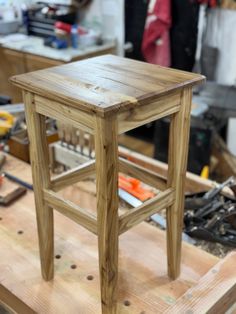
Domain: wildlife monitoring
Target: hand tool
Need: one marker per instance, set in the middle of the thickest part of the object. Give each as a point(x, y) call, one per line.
point(17, 180)
point(12, 196)
point(124, 194)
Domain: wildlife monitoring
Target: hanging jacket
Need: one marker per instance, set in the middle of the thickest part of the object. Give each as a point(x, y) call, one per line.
point(156, 42)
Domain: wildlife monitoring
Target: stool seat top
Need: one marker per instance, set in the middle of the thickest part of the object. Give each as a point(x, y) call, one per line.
point(105, 83)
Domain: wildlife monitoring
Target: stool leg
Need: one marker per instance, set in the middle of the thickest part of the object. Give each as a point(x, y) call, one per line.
point(177, 164)
point(41, 179)
point(106, 149)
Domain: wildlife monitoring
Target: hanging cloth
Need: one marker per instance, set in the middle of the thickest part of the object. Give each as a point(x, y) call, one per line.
point(156, 41)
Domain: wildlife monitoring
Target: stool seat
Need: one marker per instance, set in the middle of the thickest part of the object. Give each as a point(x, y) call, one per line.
point(106, 83)
point(106, 96)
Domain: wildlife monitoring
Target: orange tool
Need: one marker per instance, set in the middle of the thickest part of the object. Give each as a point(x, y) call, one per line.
point(133, 186)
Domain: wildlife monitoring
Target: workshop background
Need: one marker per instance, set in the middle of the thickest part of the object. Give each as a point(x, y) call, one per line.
point(190, 35)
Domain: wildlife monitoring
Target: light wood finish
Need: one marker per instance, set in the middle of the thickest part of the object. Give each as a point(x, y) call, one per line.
point(11, 63)
point(65, 114)
point(72, 176)
point(147, 209)
point(136, 145)
point(12, 303)
point(71, 210)
point(106, 150)
point(147, 113)
point(104, 96)
point(193, 182)
point(177, 161)
point(143, 254)
point(214, 293)
point(106, 84)
point(144, 175)
point(41, 178)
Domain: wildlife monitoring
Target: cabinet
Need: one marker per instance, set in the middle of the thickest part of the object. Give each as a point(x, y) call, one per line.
point(13, 62)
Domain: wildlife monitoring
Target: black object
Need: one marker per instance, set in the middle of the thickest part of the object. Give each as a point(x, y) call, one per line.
point(183, 33)
point(135, 17)
point(4, 100)
point(211, 216)
point(199, 143)
point(42, 24)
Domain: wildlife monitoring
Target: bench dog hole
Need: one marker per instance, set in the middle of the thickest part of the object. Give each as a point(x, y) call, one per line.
point(58, 256)
point(127, 303)
point(20, 232)
point(73, 266)
point(90, 277)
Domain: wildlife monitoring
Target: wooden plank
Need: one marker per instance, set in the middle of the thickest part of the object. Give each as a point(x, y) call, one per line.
point(150, 207)
point(64, 114)
point(193, 182)
point(106, 150)
point(143, 277)
point(41, 179)
point(214, 293)
point(177, 161)
point(13, 303)
point(73, 176)
point(141, 173)
point(71, 210)
point(147, 113)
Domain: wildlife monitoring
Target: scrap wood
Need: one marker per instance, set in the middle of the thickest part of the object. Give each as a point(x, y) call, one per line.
point(214, 293)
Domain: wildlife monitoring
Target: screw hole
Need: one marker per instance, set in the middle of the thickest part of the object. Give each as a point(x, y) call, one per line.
point(58, 256)
point(127, 303)
point(90, 277)
point(20, 232)
point(73, 266)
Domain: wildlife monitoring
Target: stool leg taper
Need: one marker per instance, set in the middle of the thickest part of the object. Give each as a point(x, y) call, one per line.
point(41, 179)
point(177, 164)
point(106, 149)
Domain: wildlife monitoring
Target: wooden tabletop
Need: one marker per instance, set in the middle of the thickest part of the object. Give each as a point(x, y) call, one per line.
point(105, 83)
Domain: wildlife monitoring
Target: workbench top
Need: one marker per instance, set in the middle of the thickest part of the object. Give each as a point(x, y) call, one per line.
point(143, 282)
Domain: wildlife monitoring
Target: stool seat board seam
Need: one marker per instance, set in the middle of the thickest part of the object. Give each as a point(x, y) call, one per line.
point(105, 84)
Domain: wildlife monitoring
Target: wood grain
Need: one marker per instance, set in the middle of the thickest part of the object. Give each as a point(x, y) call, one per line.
point(41, 179)
point(142, 260)
point(214, 293)
point(72, 176)
point(106, 150)
point(146, 113)
point(105, 84)
point(12, 303)
point(177, 164)
point(148, 208)
point(194, 183)
point(71, 210)
point(141, 173)
point(64, 114)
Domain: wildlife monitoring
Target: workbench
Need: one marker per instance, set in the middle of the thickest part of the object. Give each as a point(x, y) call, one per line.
point(205, 284)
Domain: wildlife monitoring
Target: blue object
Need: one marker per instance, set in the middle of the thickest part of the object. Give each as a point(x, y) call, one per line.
point(74, 36)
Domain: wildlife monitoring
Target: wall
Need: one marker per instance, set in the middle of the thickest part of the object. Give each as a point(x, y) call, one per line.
point(110, 14)
point(221, 34)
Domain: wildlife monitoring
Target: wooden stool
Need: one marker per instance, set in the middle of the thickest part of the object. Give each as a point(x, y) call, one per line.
point(107, 96)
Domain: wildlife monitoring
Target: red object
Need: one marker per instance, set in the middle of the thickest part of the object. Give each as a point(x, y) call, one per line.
point(63, 26)
point(211, 3)
point(133, 186)
point(156, 42)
